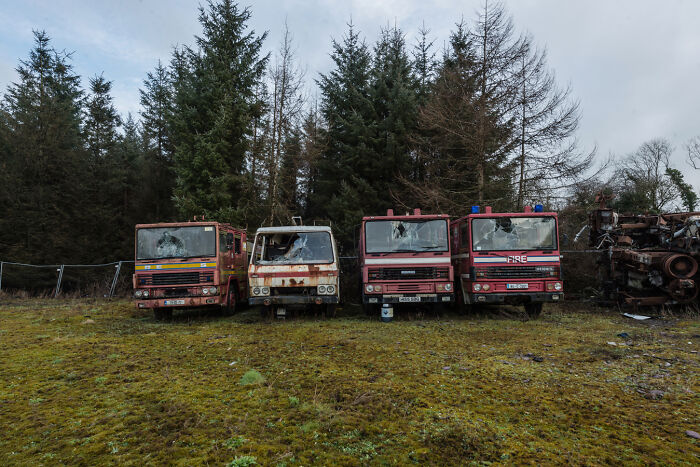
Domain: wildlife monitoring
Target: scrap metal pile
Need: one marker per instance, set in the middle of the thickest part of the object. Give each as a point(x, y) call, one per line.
point(650, 259)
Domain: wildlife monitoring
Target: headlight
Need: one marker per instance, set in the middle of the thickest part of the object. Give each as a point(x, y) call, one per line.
point(265, 291)
point(377, 288)
point(138, 294)
point(321, 289)
point(330, 289)
point(477, 287)
point(145, 293)
point(205, 290)
point(557, 286)
point(369, 288)
point(486, 287)
point(256, 291)
point(448, 287)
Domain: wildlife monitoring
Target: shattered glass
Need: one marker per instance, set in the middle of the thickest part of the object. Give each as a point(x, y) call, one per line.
point(176, 242)
point(514, 233)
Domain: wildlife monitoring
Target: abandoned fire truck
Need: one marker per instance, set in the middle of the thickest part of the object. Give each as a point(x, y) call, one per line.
point(190, 264)
point(405, 259)
point(294, 266)
point(510, 258)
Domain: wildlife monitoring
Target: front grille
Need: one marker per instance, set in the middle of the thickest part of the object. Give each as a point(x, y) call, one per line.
point(408, 273)
point(516, 272)
point(176, 278)
point(415, 287)
point(293, 290)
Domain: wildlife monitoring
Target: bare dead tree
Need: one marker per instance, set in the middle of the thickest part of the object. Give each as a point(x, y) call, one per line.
point(693, 148)
point(548, 157)
point(287, 104)
point(644, 172)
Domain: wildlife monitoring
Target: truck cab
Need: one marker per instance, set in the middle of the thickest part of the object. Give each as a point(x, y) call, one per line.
point(405, 259)
point(190, 264)
point(508, 258)
point(294, 266)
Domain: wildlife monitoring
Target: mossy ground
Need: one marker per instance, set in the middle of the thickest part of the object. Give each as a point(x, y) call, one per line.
point(126, 389)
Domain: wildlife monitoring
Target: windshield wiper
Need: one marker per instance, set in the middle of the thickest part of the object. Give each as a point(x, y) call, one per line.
point(430, 247)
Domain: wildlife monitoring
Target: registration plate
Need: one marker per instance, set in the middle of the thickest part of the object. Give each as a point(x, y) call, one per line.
point(409, 299)
point(516, 286)
point(174, 302)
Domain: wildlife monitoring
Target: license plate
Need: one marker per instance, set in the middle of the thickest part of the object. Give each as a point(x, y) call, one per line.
point(174, 302)
point(516, 286)
point(409, 299)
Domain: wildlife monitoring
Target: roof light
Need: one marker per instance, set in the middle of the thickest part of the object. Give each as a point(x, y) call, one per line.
point(475, 209)
point(539, 208)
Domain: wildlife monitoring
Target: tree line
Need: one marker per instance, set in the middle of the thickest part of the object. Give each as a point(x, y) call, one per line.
point(228, 131)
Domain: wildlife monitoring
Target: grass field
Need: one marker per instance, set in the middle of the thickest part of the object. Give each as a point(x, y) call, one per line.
point(85, 382)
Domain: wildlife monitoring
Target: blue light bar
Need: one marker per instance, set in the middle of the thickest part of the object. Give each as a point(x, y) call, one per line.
point(539, 208)
point(475, 209)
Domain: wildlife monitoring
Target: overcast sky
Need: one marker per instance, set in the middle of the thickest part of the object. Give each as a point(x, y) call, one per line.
point(634, 65)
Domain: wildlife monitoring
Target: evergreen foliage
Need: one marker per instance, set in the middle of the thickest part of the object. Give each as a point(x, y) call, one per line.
point(214, 106)
point(222, 134)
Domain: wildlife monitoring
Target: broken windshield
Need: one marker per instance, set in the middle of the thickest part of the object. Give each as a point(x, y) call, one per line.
point(175, 242)
point(295, 248)
point(514, 233)
point(406, 236)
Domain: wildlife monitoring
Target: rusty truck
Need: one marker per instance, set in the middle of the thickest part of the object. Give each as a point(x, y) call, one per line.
point(405, 259)
point(510, 258)
point(190, 264)
point(292, 267)
point(647, 259)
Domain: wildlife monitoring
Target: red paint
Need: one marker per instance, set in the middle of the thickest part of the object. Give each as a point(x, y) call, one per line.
point(188, 283)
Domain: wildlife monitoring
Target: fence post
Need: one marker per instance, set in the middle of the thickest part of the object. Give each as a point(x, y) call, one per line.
point(58, 284)
point(1, 264)
point(114, 281)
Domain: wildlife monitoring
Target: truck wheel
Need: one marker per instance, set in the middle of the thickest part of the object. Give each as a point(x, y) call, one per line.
point(231, 302)
point(158, 314)
point(330, 310)
point(533, 310)
point(370, 310)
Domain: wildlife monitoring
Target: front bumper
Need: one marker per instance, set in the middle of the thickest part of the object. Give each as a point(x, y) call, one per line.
point(292, 299)
point(515, 297)
point(408, 298)
point(175, 302)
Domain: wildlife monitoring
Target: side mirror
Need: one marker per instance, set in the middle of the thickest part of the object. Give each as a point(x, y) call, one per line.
point(229, 241)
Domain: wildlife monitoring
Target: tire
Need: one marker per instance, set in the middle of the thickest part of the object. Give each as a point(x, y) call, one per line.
point(266, 312)
point(231, 302)
point(369, 309)
point(330, 310)
point(158, 314)
point(533, 310)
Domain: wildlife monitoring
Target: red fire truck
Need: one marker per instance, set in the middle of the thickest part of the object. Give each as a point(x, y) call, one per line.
point(507, 258)
point(405, 259)
point(190, 264)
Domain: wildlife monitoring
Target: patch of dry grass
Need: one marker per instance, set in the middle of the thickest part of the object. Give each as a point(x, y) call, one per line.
point(127, 389)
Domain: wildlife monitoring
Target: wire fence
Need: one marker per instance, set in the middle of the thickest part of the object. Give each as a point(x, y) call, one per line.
point(580, 270)
point(60, 271)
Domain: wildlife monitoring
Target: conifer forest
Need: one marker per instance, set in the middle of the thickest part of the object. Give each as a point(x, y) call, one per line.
point(239, 135)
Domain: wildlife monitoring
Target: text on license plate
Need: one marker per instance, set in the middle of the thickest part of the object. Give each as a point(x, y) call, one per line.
point(174, 302)
point(409, 299)
point(516, 286)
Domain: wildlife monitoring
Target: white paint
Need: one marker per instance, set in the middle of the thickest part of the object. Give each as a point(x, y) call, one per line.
point(441, 260)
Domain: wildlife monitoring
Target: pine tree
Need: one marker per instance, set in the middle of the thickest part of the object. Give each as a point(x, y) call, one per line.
point(350, 138)
point(101, 123)
point(44, 223)
point(214, 106)
point(157, 161)
point(395, 95)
